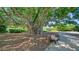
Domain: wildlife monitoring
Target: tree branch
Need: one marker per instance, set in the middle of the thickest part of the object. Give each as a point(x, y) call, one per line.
point(36, 16)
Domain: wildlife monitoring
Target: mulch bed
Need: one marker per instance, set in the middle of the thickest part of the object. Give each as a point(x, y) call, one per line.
point(23, 42)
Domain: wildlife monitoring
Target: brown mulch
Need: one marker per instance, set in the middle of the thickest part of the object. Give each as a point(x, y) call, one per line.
point(23, 42)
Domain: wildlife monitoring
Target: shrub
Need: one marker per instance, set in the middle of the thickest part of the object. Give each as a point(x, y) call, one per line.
point(66, 27)
point(70, 27)
point(14, 30)
point(76, 28)
point(3, 29)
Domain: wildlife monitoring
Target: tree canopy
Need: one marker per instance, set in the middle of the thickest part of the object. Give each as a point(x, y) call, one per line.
point(33, 17)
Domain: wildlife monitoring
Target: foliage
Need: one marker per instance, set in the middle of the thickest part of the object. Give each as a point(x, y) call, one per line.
point(15, 30)
point(3, 29)
point(65, 27)
point(34, 17)
point(76, 28)
point(61, 13)
point(62, 27)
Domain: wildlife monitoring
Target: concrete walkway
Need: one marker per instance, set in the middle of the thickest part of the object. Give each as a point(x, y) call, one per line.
point(66, 43)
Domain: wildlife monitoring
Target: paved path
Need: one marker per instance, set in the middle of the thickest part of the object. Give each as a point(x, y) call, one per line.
point(66, 43)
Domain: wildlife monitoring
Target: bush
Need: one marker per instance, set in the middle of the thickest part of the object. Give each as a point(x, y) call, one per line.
point(3, 29)
point(76, 28)
point(13, 30)
point(66, 27)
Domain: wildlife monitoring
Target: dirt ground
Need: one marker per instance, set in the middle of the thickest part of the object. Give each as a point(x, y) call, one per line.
point(23, 42)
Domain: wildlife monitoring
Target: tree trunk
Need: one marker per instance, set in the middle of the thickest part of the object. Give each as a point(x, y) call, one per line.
point(34, 29)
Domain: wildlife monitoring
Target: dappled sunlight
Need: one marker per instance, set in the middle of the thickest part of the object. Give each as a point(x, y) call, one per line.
point(23, 42)
point(39, 28)
point(66, 43)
